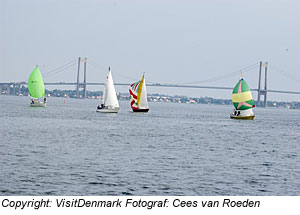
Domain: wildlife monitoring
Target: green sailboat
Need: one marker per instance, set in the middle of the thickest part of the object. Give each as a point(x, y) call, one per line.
point(36, 88)
point(242, 101)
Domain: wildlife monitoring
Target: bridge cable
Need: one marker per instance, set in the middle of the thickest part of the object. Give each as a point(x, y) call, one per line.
point(60, 70)
point(243, 70)
point(283, 73)
point(106, 69)
point(60, 67)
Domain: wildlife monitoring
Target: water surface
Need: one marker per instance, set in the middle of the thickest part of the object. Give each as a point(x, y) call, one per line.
point(175, 149)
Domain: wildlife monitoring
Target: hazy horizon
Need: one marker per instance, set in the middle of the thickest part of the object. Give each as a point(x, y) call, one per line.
point(171, 41)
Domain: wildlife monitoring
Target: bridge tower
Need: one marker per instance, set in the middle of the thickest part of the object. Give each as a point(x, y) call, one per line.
point(81, 85)
point(260, 91)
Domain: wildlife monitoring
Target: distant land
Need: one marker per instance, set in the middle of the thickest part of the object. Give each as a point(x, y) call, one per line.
point(154, 98)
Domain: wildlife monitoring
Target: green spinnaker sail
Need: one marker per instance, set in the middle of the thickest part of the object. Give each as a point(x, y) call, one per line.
point(241, 96)
point(36, 84)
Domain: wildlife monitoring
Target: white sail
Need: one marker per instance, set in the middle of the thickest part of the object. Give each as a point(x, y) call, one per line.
point(143, 104)
point(110, 97)
point(104, 92)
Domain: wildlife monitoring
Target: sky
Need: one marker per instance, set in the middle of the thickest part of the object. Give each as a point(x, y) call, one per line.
point(171, 41)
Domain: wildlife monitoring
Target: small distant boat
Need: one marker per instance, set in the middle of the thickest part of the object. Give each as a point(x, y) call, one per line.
point(36, 88)
point(110, 102)
point(138, 96)
point(242, 101)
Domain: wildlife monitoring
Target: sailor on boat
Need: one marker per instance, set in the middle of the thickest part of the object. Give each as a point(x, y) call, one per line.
point(100, 107)
point(236, 113)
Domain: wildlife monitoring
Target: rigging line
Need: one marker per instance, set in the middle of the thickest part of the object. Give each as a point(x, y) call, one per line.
point(244, 70)
point(61, 70)
point(58, 68)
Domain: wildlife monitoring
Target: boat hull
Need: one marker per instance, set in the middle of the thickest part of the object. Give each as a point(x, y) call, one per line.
point(140, 110)
point(242, 114)
point(108, 110)
point(38, 104)
point(242, 117)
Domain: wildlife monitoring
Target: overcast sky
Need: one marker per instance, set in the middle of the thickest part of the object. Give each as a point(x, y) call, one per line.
point(171, 41)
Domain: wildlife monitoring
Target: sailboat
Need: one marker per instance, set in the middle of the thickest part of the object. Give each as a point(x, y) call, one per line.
point(110, 102)
point(242, 101)
point(36, 88)
point(138, 96)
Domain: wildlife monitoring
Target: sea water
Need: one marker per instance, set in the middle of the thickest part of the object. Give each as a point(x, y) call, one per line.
point(174, 149)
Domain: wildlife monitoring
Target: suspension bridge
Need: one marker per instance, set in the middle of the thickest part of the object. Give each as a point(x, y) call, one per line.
point(13, 88)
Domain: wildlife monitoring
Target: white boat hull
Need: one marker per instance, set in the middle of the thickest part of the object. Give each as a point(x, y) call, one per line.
point(38, 104)
point(242, 114)
point(108, 110)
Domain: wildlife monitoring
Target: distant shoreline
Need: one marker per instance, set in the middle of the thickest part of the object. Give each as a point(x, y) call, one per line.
point(156, 98)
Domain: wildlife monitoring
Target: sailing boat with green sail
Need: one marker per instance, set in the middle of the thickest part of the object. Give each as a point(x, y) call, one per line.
point(36, 88)
point(242, 101)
